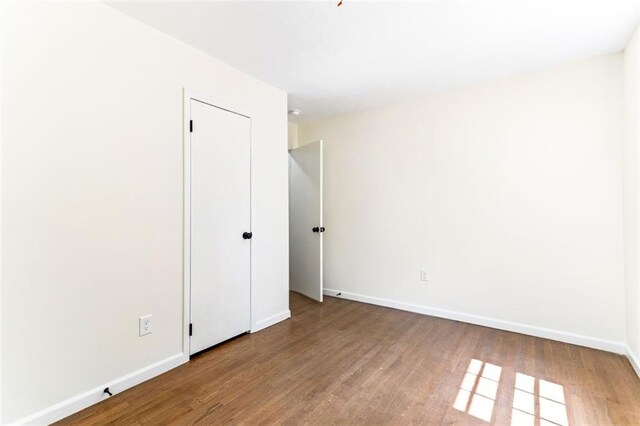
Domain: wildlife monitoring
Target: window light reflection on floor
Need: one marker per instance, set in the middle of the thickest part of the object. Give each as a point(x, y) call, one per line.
point(551, 402)
point(478, 390)
point(543, 404)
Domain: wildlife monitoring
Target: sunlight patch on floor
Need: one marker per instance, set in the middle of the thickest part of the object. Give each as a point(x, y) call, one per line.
point(551, 403)
point(478, 390)
point(535, 401)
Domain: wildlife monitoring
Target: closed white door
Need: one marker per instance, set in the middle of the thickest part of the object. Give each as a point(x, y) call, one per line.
point(220, 225)
point(305, 220)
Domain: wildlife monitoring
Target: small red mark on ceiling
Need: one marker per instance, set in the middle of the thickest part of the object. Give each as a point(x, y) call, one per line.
point(340, 4)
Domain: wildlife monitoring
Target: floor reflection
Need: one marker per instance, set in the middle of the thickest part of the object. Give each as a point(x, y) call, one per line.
point(551, 405)
point(477, 393)
point(535, 401)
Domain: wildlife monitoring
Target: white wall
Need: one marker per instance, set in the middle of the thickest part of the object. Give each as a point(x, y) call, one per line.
point(92, 196)
point(292, 133)
point(631, 165)
point(509, 193)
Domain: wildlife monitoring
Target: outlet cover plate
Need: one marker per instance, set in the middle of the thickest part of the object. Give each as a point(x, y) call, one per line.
point(145, 325)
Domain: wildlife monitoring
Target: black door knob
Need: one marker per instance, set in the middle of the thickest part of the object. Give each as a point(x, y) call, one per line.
point(322, 229)
point(247, 235)
point(315, 229)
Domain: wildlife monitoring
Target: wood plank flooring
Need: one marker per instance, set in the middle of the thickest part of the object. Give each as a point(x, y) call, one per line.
point(344, 362)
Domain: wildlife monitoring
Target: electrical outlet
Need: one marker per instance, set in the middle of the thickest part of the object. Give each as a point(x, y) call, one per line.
point(424, 276)
point(146, 326)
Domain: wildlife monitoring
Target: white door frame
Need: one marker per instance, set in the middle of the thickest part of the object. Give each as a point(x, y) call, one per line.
point(186, 265)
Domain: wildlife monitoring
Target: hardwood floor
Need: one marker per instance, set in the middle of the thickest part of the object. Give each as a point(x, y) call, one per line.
point(351, 363)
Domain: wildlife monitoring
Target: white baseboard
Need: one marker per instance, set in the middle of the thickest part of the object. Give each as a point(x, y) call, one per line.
point(634, 360)
point(73, 405)
point(269, 321)
point(562, 336)
point(93, 396)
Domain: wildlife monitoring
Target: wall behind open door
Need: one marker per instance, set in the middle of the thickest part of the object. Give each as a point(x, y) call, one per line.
point(515, 219)
point(305, 220)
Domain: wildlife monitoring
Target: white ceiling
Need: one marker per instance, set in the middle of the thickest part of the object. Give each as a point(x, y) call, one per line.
point(334, 59)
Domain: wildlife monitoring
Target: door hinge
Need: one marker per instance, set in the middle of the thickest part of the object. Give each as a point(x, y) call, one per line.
point(190, 329)
point(190, 126)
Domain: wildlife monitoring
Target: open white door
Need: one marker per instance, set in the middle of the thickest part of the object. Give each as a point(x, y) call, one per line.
point(305, 220)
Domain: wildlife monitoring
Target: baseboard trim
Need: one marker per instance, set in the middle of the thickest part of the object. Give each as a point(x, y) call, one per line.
point(576, 339)
point(269, 321)
point(79, 402)
point(634, 360)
